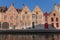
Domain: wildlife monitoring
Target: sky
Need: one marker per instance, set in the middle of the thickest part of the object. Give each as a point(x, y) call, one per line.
point(45, 5)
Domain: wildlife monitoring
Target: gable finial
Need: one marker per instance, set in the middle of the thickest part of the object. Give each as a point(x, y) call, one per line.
point(23, 4)
point(12, 4)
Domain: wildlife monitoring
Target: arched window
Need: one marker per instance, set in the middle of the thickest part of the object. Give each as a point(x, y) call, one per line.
point(5, 17)
point(5, 25)
point(56, 19)
point(57, 25)
point(54, 14)
point(52, 19)
point(52, 25)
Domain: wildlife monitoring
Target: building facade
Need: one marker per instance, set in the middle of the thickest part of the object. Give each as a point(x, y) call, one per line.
point(12, 18)
point(53, 19)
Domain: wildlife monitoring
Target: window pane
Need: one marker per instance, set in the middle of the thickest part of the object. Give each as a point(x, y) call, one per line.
point(11, 17)
point(0, 24)
point(27, 17)
point(22, 24)
point(5, 17)
point(29, 23)
point(54, 14)
point(52, 19)
point(57, 25)
point(56, 19)
point(36, 12)
point(34, 17)
point(23, 17)
point(40, 17)
point(17, 17)
point(11, 24)
point(25, 12)
point(52, 25)
point(17, 24)
point(25, 23)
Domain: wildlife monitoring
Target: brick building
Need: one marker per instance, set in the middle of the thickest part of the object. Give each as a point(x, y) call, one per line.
point(53, 18)
point(12, 18)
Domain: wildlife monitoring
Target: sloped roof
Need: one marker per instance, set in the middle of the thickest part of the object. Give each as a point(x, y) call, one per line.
point(3, 9)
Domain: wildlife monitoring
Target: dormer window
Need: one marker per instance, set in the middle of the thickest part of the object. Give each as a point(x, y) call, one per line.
point(54, 14)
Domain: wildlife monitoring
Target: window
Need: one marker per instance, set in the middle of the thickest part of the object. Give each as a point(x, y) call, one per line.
point(27, 16)
point(11, 24)
point(36, 12)
point(23, 17)
point(57, 25)
point(17, 17)
point(34, 16)
point(29, 23)
point(25, 23)
point(16, 24)
point(25, 12)
point(52, 19)
point(54, 14)
point(45, 18)
point(52, 24)
point(22, 24)
point(11, 17)
point(5, 17)
point(0, 24)
point(40, 16)
point(56, 19)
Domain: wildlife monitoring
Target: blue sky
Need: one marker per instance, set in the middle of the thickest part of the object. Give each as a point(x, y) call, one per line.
point(45, 5)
